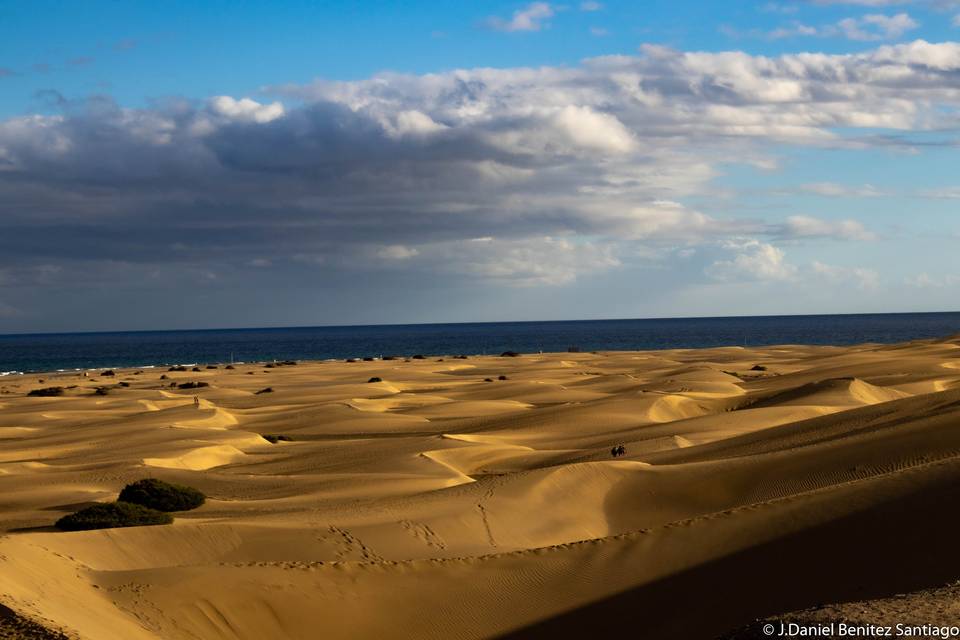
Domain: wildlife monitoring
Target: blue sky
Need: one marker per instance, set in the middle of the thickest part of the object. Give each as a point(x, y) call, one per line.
point(345, 162)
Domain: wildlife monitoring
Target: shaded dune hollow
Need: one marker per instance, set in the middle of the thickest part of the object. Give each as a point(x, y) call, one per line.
point(488, 497)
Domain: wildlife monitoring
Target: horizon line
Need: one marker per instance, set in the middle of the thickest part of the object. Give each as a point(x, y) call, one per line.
point(486, 322)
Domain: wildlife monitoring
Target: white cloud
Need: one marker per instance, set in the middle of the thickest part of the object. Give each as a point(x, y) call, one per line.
point(246, 109)
point(599, 32)
point(752, 260)
point(797, 29)
point(663, 221)
point(956, 20)
point(590, 6)
point(865, 28)
point(532, 261)
point(413, 123)
point(590, 129)
point(877, 26)
point(530, 18)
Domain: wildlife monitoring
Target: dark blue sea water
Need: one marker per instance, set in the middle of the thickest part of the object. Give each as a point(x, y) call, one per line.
point(49, 352)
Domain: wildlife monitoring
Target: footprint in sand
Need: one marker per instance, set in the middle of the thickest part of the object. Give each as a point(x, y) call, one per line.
point(486, 525)
point(349, 546)
point(424, 533)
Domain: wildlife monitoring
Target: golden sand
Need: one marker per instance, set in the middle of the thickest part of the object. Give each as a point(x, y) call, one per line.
point(434, 504)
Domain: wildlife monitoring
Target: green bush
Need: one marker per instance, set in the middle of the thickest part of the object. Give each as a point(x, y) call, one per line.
point(114, 514)
point(193, 385)
point(274, 439)
point(46, 392)
point(375, 379)
point(162, 496)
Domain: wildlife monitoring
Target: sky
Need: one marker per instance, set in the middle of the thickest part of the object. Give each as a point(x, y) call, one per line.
point(176, 164)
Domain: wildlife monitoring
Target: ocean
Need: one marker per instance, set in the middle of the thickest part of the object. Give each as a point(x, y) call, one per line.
point(67, 351)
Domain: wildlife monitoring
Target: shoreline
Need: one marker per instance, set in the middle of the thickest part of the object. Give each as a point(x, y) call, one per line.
point(403, 358)
point(78, 352)
point(406, 358)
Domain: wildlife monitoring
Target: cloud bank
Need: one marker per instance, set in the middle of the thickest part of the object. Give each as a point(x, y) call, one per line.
point(519, 176)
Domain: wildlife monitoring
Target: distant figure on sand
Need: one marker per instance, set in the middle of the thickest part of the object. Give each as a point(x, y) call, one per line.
point(196, 401)
point(618, 451)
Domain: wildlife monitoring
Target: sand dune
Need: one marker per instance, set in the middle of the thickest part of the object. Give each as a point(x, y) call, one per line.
point(835, 392)
point(437, 504)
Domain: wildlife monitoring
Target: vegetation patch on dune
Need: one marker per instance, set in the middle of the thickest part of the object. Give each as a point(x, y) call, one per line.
point(16, 627)
point(162, 496)
point(192, 385)
point(114, 514)
point(46, 392)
